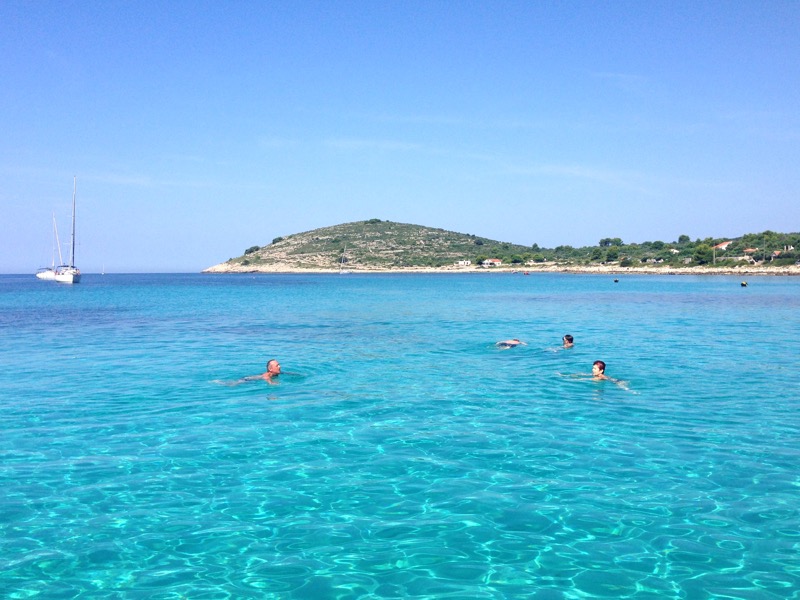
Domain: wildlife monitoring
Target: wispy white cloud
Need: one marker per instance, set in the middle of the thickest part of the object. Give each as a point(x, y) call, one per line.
point(186, 158)
point(456, 121)
point(277, 143)
point(145, 181)
point(630, 180)
point(406, 119)
point(645, 184)
point(368, 144)
point(125, 180)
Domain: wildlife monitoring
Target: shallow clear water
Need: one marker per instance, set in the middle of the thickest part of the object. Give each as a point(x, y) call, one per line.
point(401, 455)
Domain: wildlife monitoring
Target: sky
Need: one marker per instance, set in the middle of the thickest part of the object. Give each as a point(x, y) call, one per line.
point(199, 129)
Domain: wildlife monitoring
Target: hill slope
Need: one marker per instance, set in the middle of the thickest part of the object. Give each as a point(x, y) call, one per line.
point(372, 244)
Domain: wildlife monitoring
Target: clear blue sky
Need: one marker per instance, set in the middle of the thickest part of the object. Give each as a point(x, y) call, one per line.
point(199, 129)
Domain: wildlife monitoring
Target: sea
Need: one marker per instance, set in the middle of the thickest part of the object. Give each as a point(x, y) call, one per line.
point(401, 454)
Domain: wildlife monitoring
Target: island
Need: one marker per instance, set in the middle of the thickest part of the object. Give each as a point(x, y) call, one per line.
point(376, 245)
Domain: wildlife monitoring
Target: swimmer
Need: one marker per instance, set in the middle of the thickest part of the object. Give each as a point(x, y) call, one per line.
point(599, 370)
point(599, 374)
point(273, 370)
point(510, 343)
point(568, 340)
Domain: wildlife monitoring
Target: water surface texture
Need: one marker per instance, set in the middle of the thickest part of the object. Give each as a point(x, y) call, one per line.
point(401, 455)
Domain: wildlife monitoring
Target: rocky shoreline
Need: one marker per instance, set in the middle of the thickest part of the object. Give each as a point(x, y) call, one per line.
point(540, 268)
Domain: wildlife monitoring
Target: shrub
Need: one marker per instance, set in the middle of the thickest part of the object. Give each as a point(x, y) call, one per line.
point(251, 249)
point(703, 254)
point(783, 261)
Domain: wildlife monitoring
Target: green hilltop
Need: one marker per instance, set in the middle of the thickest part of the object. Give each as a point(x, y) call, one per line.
point(377, 244)
point(374, 244)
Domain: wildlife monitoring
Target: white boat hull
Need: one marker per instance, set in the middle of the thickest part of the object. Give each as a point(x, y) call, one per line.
point(46, 275)
point(68, 276)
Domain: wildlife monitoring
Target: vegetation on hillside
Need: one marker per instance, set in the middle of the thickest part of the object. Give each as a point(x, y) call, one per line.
point(386, 244)
point(767, 247)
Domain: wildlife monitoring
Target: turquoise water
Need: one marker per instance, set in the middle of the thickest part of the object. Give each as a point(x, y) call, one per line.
point(401, 455)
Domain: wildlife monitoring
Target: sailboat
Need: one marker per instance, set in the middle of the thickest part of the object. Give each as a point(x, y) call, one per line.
point(70, 273)
point(49, 273)
point(67, 273)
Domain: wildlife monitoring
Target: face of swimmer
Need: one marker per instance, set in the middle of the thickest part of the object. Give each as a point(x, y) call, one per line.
point(274, 367)
point(598, 369)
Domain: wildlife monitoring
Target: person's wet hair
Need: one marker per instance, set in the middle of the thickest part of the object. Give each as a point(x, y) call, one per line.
point(568, 338)
point(600, 364)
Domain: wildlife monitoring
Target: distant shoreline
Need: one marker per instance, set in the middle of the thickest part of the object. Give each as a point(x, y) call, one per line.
point(550, 268)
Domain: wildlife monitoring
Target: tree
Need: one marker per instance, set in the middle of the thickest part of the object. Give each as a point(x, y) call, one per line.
point(251, 249)
point(684, 239)
point(703, 254)
point(612, 254)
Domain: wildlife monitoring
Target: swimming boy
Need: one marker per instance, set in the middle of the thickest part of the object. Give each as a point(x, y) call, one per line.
point(599, 370)
point(510, 343)
point(568, 340)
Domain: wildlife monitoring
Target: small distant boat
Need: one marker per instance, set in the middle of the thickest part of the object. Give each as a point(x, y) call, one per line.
point(342, 270)
point(64, 273)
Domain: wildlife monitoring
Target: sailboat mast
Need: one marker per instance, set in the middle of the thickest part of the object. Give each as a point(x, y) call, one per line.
point(72, 251)
point(56, 244)
point(55, 240)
